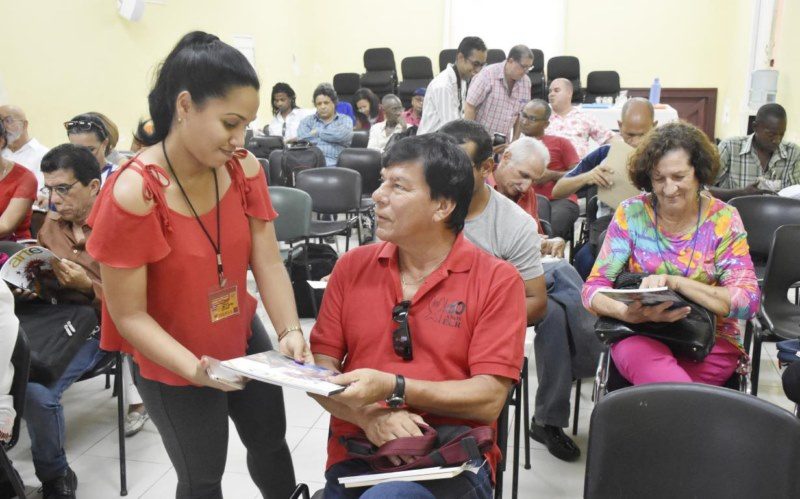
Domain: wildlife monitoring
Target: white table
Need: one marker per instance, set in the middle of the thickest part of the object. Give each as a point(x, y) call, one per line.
point(608, 117)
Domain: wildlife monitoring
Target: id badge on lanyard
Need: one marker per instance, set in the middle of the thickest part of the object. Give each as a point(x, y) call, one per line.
point(223, 302)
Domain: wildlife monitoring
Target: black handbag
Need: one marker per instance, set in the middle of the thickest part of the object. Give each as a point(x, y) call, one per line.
point(691, 337)
point(55, 334)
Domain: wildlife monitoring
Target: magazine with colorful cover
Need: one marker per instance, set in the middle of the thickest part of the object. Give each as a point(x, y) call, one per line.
point(278, 369)
point(31, 269)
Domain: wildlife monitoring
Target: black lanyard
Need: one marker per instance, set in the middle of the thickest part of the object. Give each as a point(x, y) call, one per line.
point(458, 89)
point(218, 246)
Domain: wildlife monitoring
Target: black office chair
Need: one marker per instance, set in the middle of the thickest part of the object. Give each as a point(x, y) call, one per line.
point(381, 71)
point(690, 440)
point(265, 166)
point(261, 147)
point(544, 211)
point(333, 191)
point(346, 85)
point(360, 139)
point(367, 162)
point(495, 55)
point(566, 66)
point(537, 76)
point(791, 385)
point(21, 360)
point(601, 84)
point(447, 56)
point(417, 72)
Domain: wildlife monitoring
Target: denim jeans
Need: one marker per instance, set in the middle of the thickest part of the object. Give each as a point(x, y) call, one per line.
point(45, 414)
point(467, 485)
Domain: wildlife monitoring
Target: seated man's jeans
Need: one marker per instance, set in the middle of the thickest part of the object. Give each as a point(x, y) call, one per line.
point(45, 415)
point(467, 485)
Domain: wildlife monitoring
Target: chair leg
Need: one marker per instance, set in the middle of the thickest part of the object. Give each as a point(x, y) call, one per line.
point(526, 421)
point(308, 278)
point(108, 381)
point(358, 227)
point(13, 477)
point(123, 479)
point(517, 423)
point(577, 406)
point(756, 364)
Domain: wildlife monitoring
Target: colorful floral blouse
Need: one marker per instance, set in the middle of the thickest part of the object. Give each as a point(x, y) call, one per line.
point(718, 255)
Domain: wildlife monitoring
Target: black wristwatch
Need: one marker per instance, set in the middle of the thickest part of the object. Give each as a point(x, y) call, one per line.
point(398, 396)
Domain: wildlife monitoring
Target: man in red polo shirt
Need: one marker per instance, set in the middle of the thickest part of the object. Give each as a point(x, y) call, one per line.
point(425, 326)
point(534, 118)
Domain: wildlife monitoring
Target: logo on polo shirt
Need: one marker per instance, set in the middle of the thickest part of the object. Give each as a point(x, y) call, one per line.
point(445, 312)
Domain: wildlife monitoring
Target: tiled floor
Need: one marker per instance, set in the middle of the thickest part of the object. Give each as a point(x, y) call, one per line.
point(93, 453)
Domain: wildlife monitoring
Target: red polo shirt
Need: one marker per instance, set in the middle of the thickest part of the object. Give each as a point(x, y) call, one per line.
point(468, 318)
point(562, 158)
point(526, 201)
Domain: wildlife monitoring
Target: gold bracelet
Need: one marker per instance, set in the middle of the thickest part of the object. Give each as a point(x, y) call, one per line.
point(289, 330)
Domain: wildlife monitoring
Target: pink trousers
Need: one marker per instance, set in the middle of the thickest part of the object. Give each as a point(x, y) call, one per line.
point(645, 360)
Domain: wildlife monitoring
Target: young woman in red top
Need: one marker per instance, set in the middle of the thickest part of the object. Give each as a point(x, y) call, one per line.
point(175, 231)
point(17, 194)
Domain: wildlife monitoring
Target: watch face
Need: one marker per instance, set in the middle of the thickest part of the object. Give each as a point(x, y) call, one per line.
point(395, 401)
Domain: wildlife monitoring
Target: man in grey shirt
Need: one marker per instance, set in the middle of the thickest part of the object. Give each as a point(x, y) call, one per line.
point(499, 226)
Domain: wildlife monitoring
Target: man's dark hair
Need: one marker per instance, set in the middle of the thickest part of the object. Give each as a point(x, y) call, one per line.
point(283, 88)
point(447, 170)
point(327, 90)
point(78, 159)
point(463, 131)
point(519, 52)
point(470, 43)
point(548, 111)
point(771, 110)
point(203, 65)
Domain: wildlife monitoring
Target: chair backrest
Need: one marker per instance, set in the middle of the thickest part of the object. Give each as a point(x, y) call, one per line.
point(543, 207)
point(367, 162)
point(761, 216)
point(538, 61)
point(262, 146)
point(566, 66)
point(265, 166)
point(360, 139)
point(447, 56)
point(21, 360)
point(294, 213)
point(781, 273)
point(37, 220)
point(346, 85)
point(495, 55)
point(274, 163)
point(591, 210)
point(690, 440)
point(416, 68)
point(332, 189)
point(601, 84)
point(379, 59)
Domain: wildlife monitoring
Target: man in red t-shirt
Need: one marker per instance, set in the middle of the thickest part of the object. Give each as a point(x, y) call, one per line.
point(534, 118)
point(426, 327)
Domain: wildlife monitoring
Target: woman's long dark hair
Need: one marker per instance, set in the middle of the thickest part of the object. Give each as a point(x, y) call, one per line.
point(204, 66)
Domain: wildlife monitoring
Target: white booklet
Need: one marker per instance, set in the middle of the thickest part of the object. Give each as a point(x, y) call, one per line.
point(275, 368)
point(420, 475)
point(647, 296)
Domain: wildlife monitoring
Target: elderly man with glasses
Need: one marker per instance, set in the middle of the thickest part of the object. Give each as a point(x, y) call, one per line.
point(21, 147)
point(446, 94)
point(497, 94)
point(426, 327)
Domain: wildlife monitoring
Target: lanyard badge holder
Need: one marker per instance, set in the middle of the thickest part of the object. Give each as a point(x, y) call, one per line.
point(223, 300)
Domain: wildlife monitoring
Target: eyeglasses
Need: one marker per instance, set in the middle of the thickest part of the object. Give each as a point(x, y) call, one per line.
point(529, 117)
point(62, 190)
point(476, 64)
point(9, 120)
point(85, 126)
point(401, 337)
point(524, 68)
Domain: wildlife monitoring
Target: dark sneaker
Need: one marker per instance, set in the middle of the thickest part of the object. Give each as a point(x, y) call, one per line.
point(63, 487)
point(556, 441)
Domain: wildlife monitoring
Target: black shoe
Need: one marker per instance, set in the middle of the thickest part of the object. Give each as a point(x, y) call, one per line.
point(556, 441)
point(63, 487)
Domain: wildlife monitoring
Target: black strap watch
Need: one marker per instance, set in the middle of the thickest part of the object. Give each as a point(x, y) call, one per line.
point(398, 396)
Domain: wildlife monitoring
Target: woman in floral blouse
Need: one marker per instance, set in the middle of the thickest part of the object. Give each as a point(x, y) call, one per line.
point(686, 240)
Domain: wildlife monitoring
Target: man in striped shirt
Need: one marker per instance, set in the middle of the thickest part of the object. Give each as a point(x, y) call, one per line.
point(760, 163)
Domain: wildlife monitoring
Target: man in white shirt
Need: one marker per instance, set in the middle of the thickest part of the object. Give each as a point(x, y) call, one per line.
point(446, 96)
point(22, 148)
point(381, 132)
point(287, 116)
